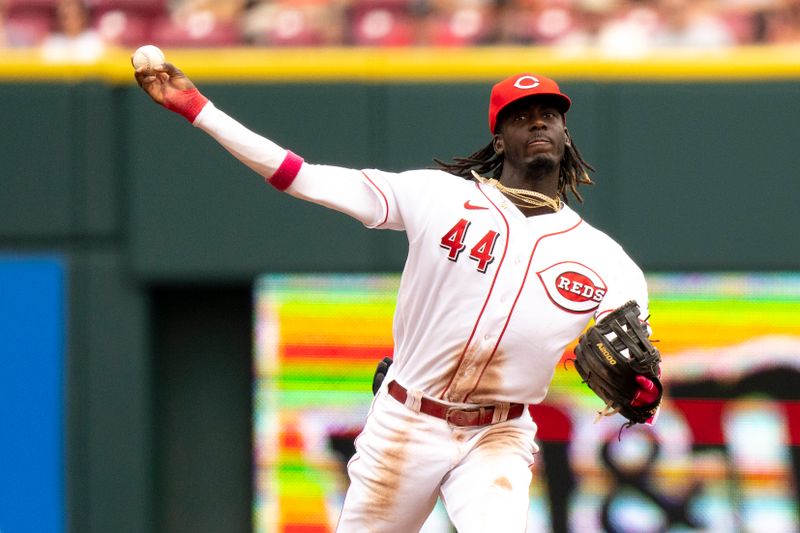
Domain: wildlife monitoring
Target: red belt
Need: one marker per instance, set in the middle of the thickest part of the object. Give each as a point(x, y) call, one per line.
point(454, 415)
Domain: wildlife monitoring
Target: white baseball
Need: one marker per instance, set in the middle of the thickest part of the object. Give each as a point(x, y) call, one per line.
point(148, 56)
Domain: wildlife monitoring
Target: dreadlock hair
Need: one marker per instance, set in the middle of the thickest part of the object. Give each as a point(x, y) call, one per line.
point(574, 169)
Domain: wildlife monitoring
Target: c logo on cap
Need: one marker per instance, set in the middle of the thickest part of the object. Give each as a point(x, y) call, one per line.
point(526, 82)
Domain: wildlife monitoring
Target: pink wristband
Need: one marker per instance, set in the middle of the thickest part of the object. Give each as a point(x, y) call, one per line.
point(187, 103)
point(284, 176)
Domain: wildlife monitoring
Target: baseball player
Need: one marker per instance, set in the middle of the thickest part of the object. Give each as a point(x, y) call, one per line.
point(501, 276)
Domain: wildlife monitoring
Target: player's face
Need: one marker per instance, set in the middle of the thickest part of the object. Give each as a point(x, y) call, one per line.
point(532, 133)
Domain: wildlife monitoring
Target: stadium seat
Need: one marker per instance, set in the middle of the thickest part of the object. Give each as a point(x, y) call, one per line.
point(382, 27)
point(142, 7)
point(291, 27)
point(393, 5)
point(199, 29)
point(123, 28)
point(28, 28)
point(13, 5)
point(462, 27)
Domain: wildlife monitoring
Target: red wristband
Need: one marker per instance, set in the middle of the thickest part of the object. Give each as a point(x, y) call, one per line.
point(187, 103)
point(286, 173)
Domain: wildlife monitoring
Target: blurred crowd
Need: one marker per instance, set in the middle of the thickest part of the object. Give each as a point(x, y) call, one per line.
point(81, 29)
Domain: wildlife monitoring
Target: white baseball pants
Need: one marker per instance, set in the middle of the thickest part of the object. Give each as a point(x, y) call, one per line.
point(404, 460)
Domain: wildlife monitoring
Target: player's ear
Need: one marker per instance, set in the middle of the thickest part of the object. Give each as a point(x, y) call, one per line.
point(497, 142)
point(567, 138)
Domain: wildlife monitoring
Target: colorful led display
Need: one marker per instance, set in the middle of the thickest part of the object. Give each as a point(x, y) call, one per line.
point(724, 454)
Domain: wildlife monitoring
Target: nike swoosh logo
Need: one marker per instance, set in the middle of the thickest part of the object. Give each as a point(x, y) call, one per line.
point(468, 205)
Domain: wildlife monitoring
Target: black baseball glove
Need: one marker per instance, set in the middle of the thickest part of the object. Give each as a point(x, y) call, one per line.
point(609, 357)
point(380, 373)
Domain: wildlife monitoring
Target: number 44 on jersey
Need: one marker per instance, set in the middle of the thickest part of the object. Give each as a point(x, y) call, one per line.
point(453, 242)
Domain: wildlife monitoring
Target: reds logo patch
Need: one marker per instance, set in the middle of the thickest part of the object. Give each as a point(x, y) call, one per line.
point(573, 287)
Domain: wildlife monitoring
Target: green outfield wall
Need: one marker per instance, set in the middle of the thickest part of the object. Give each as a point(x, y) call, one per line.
point(163, 231)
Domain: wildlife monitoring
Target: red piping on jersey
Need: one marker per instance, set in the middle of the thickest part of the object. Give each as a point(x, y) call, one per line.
point(514, 305)
point(287, 172)
point(597, 317)
point(385, 201)
point(486, 301)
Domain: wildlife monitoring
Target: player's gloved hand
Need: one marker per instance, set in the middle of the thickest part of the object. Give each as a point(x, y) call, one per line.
point(380, 373)
point(617, 360)
point(170, 87)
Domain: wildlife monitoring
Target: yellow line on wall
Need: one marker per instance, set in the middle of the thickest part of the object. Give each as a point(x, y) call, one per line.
point(420, 65)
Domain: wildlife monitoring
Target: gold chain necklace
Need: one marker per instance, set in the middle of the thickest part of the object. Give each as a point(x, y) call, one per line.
point(528, 198)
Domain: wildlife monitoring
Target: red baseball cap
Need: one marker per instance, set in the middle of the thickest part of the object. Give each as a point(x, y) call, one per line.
point(522, 86)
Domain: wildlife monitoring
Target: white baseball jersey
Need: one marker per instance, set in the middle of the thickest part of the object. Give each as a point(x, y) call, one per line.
point(488, 301)
point(489, 298)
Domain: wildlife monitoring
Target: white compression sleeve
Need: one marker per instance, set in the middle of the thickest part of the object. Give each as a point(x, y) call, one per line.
point(255, 151)
point(338, 188)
